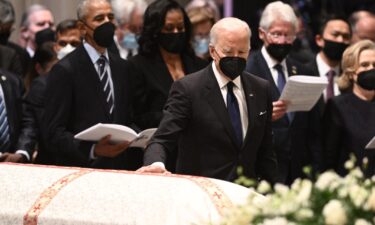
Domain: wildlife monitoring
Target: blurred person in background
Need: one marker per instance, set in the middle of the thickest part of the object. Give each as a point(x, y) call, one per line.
point(363, 26)
point(7, 19)
point(333, 38)
point(350, 118)
point(202, 19)
point(68, 37)
point(165, 55)
point(30, 138)
point(36, 18)
point(129, 20)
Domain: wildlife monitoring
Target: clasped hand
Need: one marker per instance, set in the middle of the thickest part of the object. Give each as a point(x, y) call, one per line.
point(105, 148)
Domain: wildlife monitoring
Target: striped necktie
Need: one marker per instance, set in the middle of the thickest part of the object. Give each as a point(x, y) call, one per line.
point(4, 126)
point(104, 81)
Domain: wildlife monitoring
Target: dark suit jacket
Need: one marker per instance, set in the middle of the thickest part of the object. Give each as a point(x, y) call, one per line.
point(10, 61)
point(153, 82)
point(296, 144)
point(196, 119)
point(75, 101)
point(13, 90)
point(32, 114)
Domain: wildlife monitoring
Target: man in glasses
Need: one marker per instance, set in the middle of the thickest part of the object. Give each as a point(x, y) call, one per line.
point(295, 134)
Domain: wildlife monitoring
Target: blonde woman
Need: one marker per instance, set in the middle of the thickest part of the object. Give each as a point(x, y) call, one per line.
point(350, 118)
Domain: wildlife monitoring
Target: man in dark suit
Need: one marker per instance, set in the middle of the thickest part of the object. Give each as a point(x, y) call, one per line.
point(333, 38)
point(89, 86)
point(220, 117)
point(11, 91)
point(296, 141)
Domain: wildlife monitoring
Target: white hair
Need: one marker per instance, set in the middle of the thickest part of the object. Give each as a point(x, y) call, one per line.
point(278, 11)
point(123, 9)
point(228, 23)
point(33, 8)
point(83, 6)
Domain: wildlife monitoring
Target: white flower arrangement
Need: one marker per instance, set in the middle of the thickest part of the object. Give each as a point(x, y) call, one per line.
point(331, 200)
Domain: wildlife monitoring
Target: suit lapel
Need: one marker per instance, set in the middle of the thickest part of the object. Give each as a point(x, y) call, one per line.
point(250, 103)
point(92, 78)
point(215, 100)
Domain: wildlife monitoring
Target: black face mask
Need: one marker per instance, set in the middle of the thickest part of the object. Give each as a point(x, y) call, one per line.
point(232, 67)
point(103, 34)
point(333, 50)
point(279, 51)
point(4, 36)
point(366, 79)
point(172, 42)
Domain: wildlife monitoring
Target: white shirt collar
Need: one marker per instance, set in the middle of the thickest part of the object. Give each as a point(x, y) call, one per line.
point(93, 54)
point(324, 68)
point(270, 61)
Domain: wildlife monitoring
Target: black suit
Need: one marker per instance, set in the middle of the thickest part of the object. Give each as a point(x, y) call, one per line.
point(153, 84)
point(32, 114)
point(296, 143)
point(196, 119)
point(76, 101)
point(13, 90)
point(10, 61)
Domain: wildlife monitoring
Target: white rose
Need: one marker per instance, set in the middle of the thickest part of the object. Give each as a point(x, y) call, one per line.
point(370, 204)
point(362, 222)
point(281, 189)
point(326, 179)
point(334, 213)
point(304, 193)
point(275, 221)
point(358, 195)
point(263, 187)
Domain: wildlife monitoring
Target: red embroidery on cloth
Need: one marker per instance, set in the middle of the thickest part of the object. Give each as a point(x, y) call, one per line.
point(31, 217)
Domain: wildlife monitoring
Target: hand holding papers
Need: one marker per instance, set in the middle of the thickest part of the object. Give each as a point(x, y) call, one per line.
point(302, 92)
point(119, 133)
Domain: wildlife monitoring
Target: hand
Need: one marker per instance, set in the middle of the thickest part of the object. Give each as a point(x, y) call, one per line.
point(12, 157)
point(279, 109)
point(106, 149)
point(153, 169)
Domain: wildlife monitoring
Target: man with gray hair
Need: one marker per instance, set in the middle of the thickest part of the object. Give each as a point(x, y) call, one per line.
point(88, 86)
point(129, 19)
point(295, 134)
point(36, 18)
point(220, 117)
point(363, 26)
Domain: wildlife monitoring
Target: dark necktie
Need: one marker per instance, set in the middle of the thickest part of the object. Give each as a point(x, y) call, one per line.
point(104, 81)
point(130, 54)
point(280, 77)
point(4, 127)
point(234, 112)
point(281, 84)
point(330, 76)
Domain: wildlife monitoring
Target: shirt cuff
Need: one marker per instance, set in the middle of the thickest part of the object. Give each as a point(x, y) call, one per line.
point(23, 152)
point(92, 153)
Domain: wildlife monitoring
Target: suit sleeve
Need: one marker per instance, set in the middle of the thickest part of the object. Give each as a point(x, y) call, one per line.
point(31, 109)
point(58, 108)
point(266, 162)
point(176, 115)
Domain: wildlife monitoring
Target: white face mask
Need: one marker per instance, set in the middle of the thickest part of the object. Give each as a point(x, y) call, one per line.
point(64, 51)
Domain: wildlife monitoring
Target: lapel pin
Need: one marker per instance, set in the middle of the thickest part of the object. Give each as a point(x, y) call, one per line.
point(3, 78)
point(251, 95)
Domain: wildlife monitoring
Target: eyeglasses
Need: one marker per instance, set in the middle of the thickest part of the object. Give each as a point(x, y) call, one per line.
point(276, 36)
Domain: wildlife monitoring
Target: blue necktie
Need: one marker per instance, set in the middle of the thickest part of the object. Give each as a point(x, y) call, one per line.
point(280, 77)
point(234, 113)
point(104, 81)
point(281, 84)
point(4, 127)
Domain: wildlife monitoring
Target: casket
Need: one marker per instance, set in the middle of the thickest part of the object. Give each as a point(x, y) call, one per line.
point(32, 194)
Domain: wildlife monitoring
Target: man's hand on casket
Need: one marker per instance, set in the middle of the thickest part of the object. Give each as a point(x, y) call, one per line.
point(12, 157)
point(106, 149)
point(153, 169)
